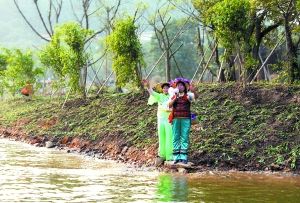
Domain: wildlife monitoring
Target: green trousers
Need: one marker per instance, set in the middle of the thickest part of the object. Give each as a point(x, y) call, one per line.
point(181, 131)
point(165, 148)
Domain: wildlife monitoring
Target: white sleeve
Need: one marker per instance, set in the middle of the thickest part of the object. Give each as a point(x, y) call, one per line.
point(150, 90)
point(191, 96)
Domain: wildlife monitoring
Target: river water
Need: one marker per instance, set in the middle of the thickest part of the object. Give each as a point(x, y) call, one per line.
point(31, 174)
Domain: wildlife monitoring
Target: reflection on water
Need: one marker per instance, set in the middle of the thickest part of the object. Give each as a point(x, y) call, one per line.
point(30, 174)
point(172, 188)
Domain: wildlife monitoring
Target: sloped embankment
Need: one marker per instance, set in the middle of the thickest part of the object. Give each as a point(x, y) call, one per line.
point(256, 128)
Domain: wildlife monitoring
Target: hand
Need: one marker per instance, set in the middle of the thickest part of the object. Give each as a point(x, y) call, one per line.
point(192, 88)
point(176, 97)
point(146, 83)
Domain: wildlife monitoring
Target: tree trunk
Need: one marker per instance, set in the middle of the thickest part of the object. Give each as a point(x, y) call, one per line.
point(199, 43)
point(231, 69)
point(138, 73)
point(217, 58)
point(291, 52)
point(255, 55)
point(168, 65)
point(222, 75)
point(83, 82)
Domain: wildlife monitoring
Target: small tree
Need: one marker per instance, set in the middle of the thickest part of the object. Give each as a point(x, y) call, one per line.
point(240, 26)
point(66, 56)
point(288, 11)
point(124, 43)
point(3, 65)
point(17, 68)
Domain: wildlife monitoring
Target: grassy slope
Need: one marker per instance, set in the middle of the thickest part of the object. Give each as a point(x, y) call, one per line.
point(248, 129)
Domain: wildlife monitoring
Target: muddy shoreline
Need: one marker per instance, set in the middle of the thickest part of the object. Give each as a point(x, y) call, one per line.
point(118, 151)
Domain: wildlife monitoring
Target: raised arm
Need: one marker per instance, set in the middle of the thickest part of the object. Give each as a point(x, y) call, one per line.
point(147, 85)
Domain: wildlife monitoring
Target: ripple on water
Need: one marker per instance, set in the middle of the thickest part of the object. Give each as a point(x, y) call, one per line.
point(46, 175)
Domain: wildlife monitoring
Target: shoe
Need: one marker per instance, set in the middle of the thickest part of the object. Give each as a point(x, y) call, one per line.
point(184, 164)
point(184, 161)
point(177, 161)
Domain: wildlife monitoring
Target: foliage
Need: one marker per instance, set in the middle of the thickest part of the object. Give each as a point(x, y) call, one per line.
point(65, 53)
point(124, 43)
point(230, 19)
point(287, 12)
point(3, 62)
point(239, 128)
point(17, 68)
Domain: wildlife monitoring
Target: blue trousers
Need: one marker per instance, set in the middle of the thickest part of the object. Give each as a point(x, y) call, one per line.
point(181, 131)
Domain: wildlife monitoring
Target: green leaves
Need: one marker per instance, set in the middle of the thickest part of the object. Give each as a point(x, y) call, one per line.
point(65, 54)
point(123, 42)
point(16, 68)
point(230, 20)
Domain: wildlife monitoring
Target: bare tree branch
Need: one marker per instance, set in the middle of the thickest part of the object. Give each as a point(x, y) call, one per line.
point(156, 31)
point(104, 54)
point(94, 35)
point(187, 12)
point(173, 53)
point(74, 13)
point(109, 21)
point(28, 23)
point(41, 17)
point(95, 11)
point(167, 42)
point(49, 17)
point(116, 10)
point(85, 5)
point(177, 66)
point(58, 9)
point(178, 33)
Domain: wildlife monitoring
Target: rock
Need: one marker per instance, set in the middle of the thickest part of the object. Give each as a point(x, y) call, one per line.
point(158, 161)
point(50, 144)
point(188, 165)
point(168, 163)
point(36, 144)
point(275, 167)
point(124, 150)
point(65, 140)
point(120, 157)
point(182, 170)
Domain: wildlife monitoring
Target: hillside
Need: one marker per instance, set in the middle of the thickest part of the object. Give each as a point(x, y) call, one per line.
point(256, 128)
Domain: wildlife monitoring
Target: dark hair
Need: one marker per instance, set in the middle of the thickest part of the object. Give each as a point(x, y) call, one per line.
point(165, 84)
point(185, 88)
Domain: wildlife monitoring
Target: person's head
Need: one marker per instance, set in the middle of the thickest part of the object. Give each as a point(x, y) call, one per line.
point(165, 87)
point(181, 86)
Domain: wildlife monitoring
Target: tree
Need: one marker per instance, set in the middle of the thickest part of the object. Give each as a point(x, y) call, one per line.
point(19, 69)
point(65, 55)
point(183, 61)
point(97, 15)
point(288, 11)
point(3, 65)
point(240, 27)
point(124, 43)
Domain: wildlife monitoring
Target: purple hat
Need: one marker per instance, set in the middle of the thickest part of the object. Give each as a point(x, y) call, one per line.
point(183, 80)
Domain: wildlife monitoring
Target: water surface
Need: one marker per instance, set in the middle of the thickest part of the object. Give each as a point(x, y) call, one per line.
point(31, 174)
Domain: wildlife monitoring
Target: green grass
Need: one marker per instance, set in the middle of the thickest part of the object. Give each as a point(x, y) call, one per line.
point(250, 128)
